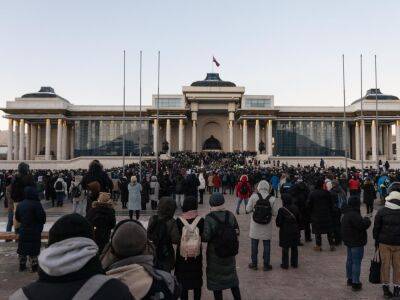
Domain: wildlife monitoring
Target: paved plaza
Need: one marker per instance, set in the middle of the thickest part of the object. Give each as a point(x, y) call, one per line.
point(321, 275)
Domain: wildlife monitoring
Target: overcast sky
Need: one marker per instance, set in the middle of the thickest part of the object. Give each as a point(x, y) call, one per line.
point(291, 49)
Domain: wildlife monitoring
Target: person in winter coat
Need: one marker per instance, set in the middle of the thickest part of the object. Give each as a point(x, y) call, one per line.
point(354, 186)
point(386, 235)
point(191, 185)
point(163, 232)
point(288, 220)
point(78, 198)
point(217, 182)
point(321, 207)
point(260, 232)
point(131, 261)
point(179, 190)
point(354, 233)
point(369, 195)
point(243, 192)
point(68, 263)
point(275, 184)
point(134, 203)
point(102, 218)
point(60, 186)
point(31, 216)
point(339, 200)
point(189, 271)
point(145, 192)
point(299, 193)
point(123, 187)
point(154, 192)
point(210, 184)
point(202, 187)
point(221, 271)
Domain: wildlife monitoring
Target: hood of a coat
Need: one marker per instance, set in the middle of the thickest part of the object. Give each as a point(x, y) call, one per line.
point(243, 178)
point(67, 256)
point(166, 208)
point(263, 186)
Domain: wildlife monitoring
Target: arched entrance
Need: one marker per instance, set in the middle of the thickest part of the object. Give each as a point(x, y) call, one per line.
point(212, 136)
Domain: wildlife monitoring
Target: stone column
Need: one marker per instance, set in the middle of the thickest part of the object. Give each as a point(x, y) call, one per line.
point(257, 135)
point(357, 140)
point(155, 136)
point(89, 137)
point(64, 142)
point(373, 140)
point(71, 142)
point(38, 139)
point(22, 139)
point(385, 141)
point(333, 135)
point(269, 132)
point(181, 135)
point(16, 140)
point(59, 139)
point(194, 137)
point(244, 135)
point(10, 139)
point(362, 140)
point(230, 136)
point(33, 141)
point(28, 142)
point(48, 140)
point(380, 140)
point(168, 135)
point(398, 139)
point(389, 142)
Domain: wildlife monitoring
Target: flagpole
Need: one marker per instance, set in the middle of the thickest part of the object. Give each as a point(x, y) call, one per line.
point(344, 117)
point(376, 116)
point(158, 111)
point(362, 116)
point(123, 124)
point(140, 117)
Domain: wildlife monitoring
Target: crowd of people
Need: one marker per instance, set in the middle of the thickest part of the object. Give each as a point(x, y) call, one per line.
point(89, 252)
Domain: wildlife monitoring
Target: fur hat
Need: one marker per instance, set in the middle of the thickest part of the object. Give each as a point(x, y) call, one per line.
point(217, 199)
point(70, 226)
point(104, 199)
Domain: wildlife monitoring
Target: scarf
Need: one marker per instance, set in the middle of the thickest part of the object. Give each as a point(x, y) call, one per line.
point(191, 214)
point(217, 208)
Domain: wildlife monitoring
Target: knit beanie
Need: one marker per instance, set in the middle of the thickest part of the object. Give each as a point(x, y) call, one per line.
point(70, 226)
point(136, 244)
point(31, 193)
point(190, 203)
point(217, 199)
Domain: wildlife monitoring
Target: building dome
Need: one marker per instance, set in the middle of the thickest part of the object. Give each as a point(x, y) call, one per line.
point(213, 79)
point(372, 94)
point(44, 92)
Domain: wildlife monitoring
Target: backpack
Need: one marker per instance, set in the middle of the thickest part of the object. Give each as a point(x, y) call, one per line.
point(262, 213)
point(226, 242)
point(59, 186)
point(244, 189)
point(76, 191)
point(190, 241)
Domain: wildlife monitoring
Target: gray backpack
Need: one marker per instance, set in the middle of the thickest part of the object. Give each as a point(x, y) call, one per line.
point(86, 292)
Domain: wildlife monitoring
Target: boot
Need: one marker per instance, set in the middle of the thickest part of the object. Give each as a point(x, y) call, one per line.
point(387, 294)
point(356, 287)
point(22, 267)
point(396, 291)
point(317, 248)
point(253, 266)
point(349, 282)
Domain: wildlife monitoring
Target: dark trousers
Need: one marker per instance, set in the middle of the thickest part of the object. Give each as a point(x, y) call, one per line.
point(235, 293)
point(137, 212)
point(60, 198)
point(294, 258)
point(144, 204)
point(153, 205)
point(201, 193)
point(266, 252)
point(196, 294)
point(318, 239)
point(370, 207)
point(307, 231)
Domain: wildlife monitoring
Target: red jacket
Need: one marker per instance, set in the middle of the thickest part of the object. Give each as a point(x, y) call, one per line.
point(354, 184)
point(217, 181)
point(243, 181)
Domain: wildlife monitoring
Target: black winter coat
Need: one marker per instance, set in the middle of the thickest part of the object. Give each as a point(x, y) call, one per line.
point(300, 194)
point(191, 185)
point(103, 221)
point(354, 227)
point(189, 272)
point(387, 225)
point(288, 220)
point(32, 217)
point(321, 208)
point(65, 287)
point(369, 193)
point(18, 185)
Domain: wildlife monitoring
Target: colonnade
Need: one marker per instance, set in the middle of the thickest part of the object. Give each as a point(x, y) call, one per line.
point(25, 140)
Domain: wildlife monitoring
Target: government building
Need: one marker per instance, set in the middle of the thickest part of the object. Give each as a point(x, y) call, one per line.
point(209, 115)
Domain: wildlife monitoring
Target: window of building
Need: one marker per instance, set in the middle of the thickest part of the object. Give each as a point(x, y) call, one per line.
point(258, 103)
point(169, 102)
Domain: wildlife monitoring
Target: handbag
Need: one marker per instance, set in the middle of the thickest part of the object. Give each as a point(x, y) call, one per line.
point(375, 268)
